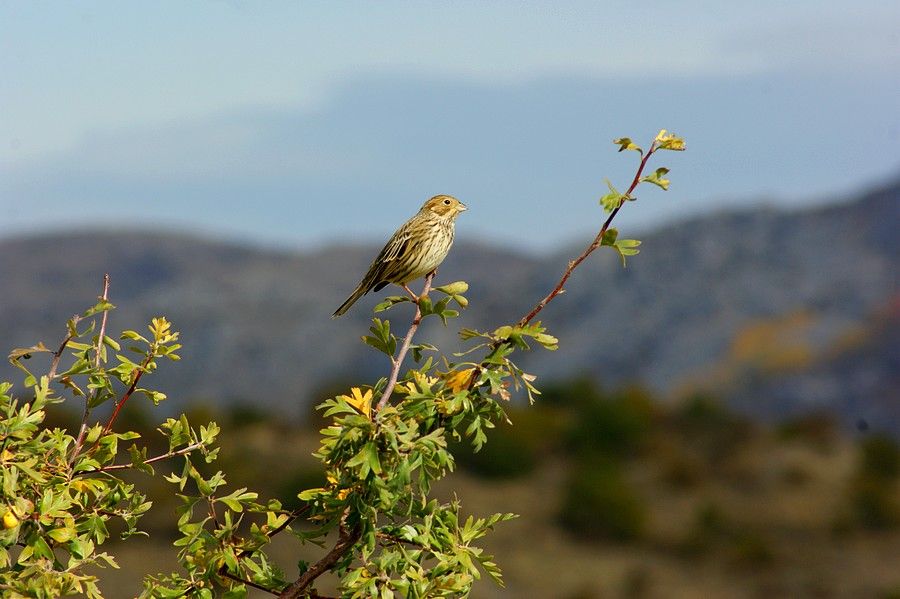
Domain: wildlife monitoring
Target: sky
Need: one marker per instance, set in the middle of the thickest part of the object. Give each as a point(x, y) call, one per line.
point(306, 123)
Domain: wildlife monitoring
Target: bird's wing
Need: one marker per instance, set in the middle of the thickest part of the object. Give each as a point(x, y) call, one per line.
point(396, 247)
point(382, 266)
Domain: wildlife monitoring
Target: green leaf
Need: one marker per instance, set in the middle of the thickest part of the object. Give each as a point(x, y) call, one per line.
point(625, 143)
point(310, 494)
point(133, 335)
point(624, 247)
point(111, 342)
point(455, 288)
point(627, 247)
point(658, 178)
point(25, 352)
point(609, 237)
point(101, 306)
point(61, 535)
point(613, 199)
point(390, 302)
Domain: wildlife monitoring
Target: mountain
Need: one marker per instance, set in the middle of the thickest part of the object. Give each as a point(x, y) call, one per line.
point(736, 302)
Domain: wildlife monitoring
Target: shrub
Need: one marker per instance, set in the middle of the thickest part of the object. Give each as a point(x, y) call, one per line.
point(611, 426)
point(880, 458)
point(599, 503)
point(874, 496)
point(382, 448)
point(504, 455)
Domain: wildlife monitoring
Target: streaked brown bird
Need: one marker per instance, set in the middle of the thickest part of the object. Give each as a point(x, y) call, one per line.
point(415, 249)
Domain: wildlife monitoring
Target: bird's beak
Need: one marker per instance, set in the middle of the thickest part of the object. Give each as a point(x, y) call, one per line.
point(462, 207)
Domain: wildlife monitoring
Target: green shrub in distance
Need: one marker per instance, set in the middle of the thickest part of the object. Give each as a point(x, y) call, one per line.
point(505, 455)
point(874, 493)
point(599, 503)
point(709, 427)
point(819, 428)
point(881, 458)
point(611, 426)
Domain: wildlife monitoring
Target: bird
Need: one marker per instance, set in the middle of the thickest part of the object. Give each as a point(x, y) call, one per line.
point(417, 248)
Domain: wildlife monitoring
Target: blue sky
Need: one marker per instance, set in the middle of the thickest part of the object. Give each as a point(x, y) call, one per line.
point(300, 123)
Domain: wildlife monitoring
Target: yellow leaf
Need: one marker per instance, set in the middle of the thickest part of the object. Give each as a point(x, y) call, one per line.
point(359, 400)
point(459, 380)
point(669, 141)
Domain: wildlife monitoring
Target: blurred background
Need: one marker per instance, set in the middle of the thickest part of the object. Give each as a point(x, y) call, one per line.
point(722, 417)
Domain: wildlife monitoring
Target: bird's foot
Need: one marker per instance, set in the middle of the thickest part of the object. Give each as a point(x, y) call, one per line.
point(413, 296)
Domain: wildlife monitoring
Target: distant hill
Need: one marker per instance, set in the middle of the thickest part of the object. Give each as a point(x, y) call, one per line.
point(737, 302)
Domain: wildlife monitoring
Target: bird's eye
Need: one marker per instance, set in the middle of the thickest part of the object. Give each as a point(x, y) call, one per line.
point(447, 202)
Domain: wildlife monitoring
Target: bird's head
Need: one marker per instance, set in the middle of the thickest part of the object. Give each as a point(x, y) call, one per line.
point(444, 206)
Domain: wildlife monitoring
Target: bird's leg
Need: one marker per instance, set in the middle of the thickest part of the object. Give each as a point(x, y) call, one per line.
point(413, 296)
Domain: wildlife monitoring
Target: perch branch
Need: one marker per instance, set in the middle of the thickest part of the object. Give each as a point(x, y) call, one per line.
point(397, 361)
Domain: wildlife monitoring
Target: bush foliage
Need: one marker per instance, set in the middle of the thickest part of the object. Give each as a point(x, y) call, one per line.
point(382, 448)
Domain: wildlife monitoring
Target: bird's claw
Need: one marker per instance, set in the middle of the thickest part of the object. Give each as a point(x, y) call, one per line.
point(413, 296)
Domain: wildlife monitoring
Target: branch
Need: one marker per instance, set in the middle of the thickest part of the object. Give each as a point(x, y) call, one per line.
point(87, 400)
point(397, 361)
point(573, 264)
point(590, 249)
point(159, 458)
point(137, 377)
point(223, 571)
point(346, 540)
point(293, 516)
point(399, 541)
point(54, 364)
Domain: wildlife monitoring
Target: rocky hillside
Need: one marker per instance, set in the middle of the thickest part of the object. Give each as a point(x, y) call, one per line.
point(740, 302)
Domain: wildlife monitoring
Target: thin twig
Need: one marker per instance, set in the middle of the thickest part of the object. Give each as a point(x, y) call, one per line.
point(590, 249)
point(291, 518)
point(573, 264)
point(347, 538)
point(54, 364)
point(139, 372)
point(159, 458)
point(399, 541)
point(224, 572)
point(90, 398)
point(397, 362)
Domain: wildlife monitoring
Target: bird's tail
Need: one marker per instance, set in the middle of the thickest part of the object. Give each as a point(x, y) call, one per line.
point(357, 293)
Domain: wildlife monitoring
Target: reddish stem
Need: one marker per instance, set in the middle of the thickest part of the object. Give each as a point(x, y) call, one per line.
point(590, 249)
point(137, 377)
point(404, 348)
